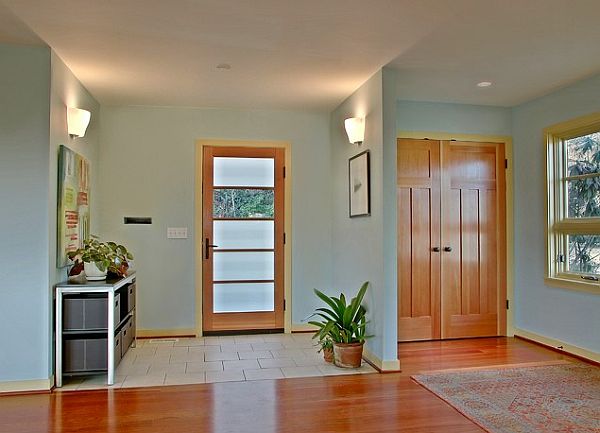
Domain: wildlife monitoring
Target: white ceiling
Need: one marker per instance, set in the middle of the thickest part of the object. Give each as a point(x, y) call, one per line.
point(311, 54)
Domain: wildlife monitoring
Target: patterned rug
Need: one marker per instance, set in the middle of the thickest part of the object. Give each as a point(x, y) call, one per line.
point(549, 399)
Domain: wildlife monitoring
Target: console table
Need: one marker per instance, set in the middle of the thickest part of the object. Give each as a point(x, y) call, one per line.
point(95, 325)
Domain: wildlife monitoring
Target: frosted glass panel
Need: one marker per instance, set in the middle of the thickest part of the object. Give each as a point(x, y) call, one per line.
point(244, 234)
point(243, 298)
point(243, 266)
point(244, 172)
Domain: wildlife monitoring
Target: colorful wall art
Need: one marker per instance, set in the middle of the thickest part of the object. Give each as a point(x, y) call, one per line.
point(73, 203)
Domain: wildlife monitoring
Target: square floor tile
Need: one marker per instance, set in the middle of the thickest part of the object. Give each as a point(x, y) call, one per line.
point(301, 371)
point(287, 353)
point(263, 373)
point(225, 376)
point(241, 365)
point(202, 349)
point(221, 356)
point(188, 357)
point(249, 339)
point(185, 378)
point(257, 354)
point(171, 350)
point(187, 342)
point(267, 346)
point(141, 381)
point(197, 367)
point(162, 358)
point(237, 347)
point(132, 369)
point(303, 361)
point(178, 367)
point(276, 362)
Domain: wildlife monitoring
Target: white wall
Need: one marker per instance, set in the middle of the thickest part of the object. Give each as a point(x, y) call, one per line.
point(565, 315)
point(24, 110)
point(358, 243)
point(147, 162)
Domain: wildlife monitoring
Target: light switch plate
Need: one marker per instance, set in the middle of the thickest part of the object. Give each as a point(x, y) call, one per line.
point(177, 233)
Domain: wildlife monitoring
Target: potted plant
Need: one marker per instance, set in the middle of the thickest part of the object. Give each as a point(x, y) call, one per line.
point(345, 325)
point(100, 258)
point(326, 346)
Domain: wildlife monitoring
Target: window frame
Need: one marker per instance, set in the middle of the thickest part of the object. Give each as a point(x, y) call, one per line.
point(559, 225)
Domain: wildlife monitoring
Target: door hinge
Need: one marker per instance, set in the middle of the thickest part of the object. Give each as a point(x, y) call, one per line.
point(284, 239)
point(284, 172)
point(506, 163)
point(560, 258)
point(507, 304)
point(284, 305)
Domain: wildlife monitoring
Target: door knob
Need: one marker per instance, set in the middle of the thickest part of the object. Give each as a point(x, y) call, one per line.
point(447, 249)
point(436, 249)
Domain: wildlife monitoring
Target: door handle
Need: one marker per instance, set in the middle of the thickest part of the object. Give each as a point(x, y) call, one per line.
point(436, 249)
point(447, 249)
point(207, 246)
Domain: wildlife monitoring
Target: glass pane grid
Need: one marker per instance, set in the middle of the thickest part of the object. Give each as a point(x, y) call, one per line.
point(243, 203)
point(243, 297)
point(584, 254)
point(583, 154)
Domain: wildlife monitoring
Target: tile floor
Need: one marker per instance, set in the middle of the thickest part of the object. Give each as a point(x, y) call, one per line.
point(181, 361)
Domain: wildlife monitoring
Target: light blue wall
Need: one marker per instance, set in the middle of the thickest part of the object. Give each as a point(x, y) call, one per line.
point(565, 315)
point(24, 171)
point(358, 243)
point(67, 91)
point(35, 86)
point(147, 161)
point(453, 118)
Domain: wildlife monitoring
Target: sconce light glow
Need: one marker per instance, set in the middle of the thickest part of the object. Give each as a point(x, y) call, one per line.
point(355, 128)
point(77, 121)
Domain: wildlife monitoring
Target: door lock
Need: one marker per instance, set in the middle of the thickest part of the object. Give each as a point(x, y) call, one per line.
point(436, 249)
point(447, 249)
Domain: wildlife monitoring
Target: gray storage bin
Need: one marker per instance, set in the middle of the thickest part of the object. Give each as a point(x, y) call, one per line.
point(126, 337)
point(117, 309)
point(82, 355)
point(131, 297)
point(118, 349)
point(85, 313)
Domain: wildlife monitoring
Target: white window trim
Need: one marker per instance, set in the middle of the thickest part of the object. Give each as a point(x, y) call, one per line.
point(558, 225)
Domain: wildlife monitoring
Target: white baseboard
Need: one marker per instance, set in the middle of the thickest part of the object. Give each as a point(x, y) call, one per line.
point(178, 332)
point(27, 385)
point(387, 365)
point(551, 342)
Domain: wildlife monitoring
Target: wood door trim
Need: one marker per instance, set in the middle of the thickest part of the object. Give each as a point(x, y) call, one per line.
point(219, 321)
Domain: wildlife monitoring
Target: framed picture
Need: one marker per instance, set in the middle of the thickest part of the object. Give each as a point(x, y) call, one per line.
point(359, 181)
point(73, 203)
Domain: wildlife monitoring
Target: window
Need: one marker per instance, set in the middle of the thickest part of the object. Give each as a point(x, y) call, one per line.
point(573, 179)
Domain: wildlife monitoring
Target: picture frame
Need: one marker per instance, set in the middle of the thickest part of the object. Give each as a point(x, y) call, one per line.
point(73, 210)
point(359, 185)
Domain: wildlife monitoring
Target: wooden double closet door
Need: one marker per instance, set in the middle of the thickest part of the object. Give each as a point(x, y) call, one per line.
point(451, 239)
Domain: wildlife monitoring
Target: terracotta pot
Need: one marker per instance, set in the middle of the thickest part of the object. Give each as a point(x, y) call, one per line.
point(347, 355)
point(328, 355)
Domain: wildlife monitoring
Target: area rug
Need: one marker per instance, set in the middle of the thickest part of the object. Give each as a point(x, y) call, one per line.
point(549, 399)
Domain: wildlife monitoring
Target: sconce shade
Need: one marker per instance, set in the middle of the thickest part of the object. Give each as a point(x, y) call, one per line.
point(77, 121)
point(355, 128)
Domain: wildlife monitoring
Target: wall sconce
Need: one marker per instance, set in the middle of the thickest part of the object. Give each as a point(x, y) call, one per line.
point(355, 128)
point(77, 121)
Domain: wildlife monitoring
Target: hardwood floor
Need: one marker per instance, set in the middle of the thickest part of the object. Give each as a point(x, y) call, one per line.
point(357, 403)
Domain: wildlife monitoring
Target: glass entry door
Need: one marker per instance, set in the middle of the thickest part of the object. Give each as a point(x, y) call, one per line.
point(243, 239)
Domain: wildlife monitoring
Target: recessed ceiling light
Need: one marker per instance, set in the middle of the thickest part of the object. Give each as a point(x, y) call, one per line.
point(484, 84)
point(224, 66)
